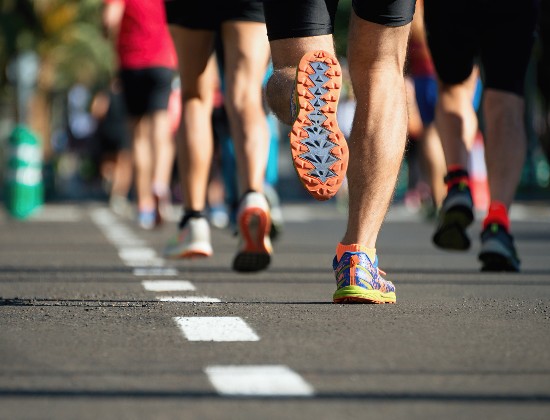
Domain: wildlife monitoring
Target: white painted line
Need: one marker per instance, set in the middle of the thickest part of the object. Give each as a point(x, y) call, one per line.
point(153, 262)
point(168, 285)
point(216, 329)
point(126, 243)
point(191, 299)
point(258, 381)
point(57, 213)
point(132, 254)
point(155, 271)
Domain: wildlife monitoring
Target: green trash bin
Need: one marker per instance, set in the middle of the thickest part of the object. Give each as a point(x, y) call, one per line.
point(24, 188)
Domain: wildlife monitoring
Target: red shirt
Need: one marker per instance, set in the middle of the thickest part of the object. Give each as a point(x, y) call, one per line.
point(143, 39)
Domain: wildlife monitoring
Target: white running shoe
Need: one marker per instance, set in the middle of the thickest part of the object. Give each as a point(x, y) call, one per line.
point(254, 223)
point(192, 241)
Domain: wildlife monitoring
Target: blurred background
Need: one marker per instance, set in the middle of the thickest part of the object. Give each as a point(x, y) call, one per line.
point(55, 57)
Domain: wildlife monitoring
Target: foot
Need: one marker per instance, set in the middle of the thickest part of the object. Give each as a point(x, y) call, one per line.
point(319, 149)
point(358, 280)
point(147, 219)
point(192, 240)
point(455, 216)
point(253, 221)
point(497, 250)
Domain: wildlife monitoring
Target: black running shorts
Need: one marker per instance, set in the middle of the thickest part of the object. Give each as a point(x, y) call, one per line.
point(499, 34)
point(146, 90)
point(210, 14)
point(301, 18)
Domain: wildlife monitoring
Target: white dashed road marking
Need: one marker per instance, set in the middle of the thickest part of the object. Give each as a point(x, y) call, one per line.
point(155, 271)
point(130, 254)
point(204, 299)
point(259, 381)
point(168, 285)
point(216, 329)
point(251, 381)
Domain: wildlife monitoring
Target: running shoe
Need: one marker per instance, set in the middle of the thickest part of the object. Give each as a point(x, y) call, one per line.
point(358, 280)
point(275, 211)
point(455, 215)
point(147, 219)
point(192, 241)
point(253, 222)
point(497, 250)
point(121, 206)
point(319, 149)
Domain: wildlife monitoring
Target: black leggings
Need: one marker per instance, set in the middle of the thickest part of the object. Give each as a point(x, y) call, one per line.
point(302, 18)
point(210, 14)
point(499, 34)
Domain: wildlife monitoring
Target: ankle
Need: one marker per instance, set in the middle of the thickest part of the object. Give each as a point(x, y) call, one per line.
point(456, 175)
point(341, 249)
point(497, 213)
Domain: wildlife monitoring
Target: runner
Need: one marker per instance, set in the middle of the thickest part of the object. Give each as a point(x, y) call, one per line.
point(246, 54)
point(147, 61)
point(500, 34)
point(304, 91)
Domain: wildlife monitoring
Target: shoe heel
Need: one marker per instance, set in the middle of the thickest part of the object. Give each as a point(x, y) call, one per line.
point(255, 255)
point(254, 224)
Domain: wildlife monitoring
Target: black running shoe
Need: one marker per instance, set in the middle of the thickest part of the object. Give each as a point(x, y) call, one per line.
point(497, 250)
point(455, 215)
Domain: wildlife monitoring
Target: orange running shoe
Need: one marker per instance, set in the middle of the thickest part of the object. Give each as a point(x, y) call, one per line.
point(254, 224)
point(319, 149)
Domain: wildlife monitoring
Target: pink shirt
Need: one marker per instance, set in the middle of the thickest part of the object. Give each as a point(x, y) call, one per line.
point(144, 40)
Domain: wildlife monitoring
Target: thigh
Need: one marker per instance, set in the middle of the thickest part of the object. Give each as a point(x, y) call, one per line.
point(452, 34)
point(135, 91)
point(299, 18)
point(161, 86)
point(194, 49)
point(506, 44)
point(246, 53)
point(193, 14)
point(244, 11)
point(373, 48)
point(385, 12)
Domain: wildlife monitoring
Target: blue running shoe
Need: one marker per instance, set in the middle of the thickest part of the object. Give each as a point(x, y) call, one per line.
point(358, 280)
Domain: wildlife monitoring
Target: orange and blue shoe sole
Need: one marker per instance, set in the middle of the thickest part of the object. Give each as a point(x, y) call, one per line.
point(319, 150)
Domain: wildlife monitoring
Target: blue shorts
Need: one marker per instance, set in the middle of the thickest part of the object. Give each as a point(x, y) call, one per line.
point(425, 88)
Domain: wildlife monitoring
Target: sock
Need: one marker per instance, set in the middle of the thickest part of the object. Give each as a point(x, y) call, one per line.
point(498, 213)
point(341, 248)
point(188, 214)
point(456, 174)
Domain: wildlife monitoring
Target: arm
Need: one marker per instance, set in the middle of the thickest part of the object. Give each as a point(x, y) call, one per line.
point(113, 11)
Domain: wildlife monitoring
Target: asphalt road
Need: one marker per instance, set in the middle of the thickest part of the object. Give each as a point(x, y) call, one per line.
point(95, 324)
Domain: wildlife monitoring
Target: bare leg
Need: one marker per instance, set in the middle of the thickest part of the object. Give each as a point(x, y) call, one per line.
point(376, 60)
point(143, 160)
point(165, 150)
point(198, 80)
point(246, 56)
point(505, 143)
point(434, 163)
point(122, 173)
point(456, 120)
